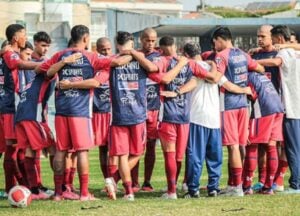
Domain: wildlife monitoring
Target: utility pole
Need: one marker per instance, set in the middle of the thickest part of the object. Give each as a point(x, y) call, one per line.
point(202, 2)
point(44, 10)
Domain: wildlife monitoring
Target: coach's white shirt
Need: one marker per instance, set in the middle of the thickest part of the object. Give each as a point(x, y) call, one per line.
point(205, 103)
point(290, 76)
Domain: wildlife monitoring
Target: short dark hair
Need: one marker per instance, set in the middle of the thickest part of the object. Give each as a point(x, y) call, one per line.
point(42, 37)
point(78, 31)
point(293, 33)
point(166, 41)
point(222, 32)
point(192, 49)
point(70, 43)
point(28, 45)
point(123, 37)
point(11, 30)
point(281, 30)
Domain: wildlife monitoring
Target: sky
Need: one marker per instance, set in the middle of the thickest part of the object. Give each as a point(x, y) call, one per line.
point(190, 5)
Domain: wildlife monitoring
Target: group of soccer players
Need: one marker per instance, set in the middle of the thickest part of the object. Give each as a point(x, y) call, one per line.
point(124, 102)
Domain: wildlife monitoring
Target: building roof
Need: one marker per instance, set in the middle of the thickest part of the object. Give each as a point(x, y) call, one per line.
point(264, 5)
point(141, 1)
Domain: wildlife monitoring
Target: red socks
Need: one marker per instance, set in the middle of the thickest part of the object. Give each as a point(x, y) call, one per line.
point(9, 166)
point(38, 166)
point(31, 171)
point(84, 182)
point(171, 170)
point(128, 187)
point(282, 168)
point(236, 176)
point(272, 165)
point(114, 172)
point(249, 165)
point(72, 176)
point(149, 160)
point(67, 176)
point(135, 174)
point(178, 164)
point(262, 174)
point(58, 182)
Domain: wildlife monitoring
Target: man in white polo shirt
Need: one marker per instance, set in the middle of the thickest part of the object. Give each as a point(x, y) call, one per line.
point(288, 61)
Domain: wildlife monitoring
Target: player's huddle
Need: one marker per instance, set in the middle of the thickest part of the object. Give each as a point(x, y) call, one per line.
point(123, 103)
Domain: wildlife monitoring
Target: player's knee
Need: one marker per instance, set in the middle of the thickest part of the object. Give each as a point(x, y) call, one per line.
point(58, 167)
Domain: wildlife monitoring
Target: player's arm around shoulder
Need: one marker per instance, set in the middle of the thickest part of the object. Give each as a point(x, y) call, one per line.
point(144, 62)
point(189, 86)
point(231, 87)
point(169, 76)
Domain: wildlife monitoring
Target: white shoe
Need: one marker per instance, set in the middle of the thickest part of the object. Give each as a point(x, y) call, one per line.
point(111, 187)
point(233, 191)
point(172, 196)
point(184, 187)
point(129, 197)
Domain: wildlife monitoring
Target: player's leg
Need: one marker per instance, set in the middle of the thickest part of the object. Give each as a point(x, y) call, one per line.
point(249, 167)
point(73, 170)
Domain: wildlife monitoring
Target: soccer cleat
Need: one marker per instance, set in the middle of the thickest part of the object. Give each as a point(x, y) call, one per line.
point(3, 194)
point(184, 187)
point(277, 188)
point(40, 196)
point(136, 188)
point(69, 195)
point(248, 191)
point(89, 197)
point(257, 187)
point(226, 190)
point(111, 187)
point(47, 191)
point(213, 193)
point(171, 196)
point(147, 187)
point(266, 191)
point(233, 191)
point(190, 195)
point(129, 197)
point(57, 198)
point(291, 191)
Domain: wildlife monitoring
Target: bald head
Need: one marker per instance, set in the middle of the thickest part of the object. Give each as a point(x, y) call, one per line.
point(104, 46)
point(264, 38)
point(148, 39)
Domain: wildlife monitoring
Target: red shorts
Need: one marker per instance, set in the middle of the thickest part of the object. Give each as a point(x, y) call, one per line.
point(101, 123)
point(7, 126)
point(235, 126)
point(265, 129)
point(175, 133)
point(127, 139)
point(34, 134)
point(73, 133)
point(151, 124)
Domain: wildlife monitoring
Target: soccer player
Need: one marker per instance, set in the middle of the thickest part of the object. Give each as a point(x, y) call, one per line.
point(265, 128)
point(266, 50)
point(148, 39)
point(234, 64)
point(288, 62)
point(174, 119)
point(16, 35)
point(73, 117)
point(32, 133)
point(204, 136)
point(101, 115)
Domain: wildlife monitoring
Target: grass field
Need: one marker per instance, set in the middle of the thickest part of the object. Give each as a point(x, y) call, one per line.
point(150, 203)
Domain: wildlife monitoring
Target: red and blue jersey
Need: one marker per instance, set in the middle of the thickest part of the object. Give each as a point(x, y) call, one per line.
point(271, 72)
point(101, 100)
point(10, 82)
point(2, 92)
point(128, 94)
point(34, 92)
point(208, 55)
point(234, 64)
point(177, 110)
point(265, 99)
point(153, 87)
point(77, 102)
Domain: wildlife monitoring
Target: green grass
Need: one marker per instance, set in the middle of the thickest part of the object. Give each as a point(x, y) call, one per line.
point(150, 203)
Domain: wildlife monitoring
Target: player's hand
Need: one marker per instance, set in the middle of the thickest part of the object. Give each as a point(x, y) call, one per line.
point(125, 52)
point(64, 84)
point(212, 65)
point(247, 91)
point(7, 48)
point(72, 58)
point(168, 94)
point(278, 47)
point(183, 60)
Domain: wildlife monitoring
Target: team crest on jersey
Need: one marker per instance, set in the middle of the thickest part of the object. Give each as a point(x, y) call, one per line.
point(218, 60)
point(128, 99)
point(14, 56)
point(151, 92)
